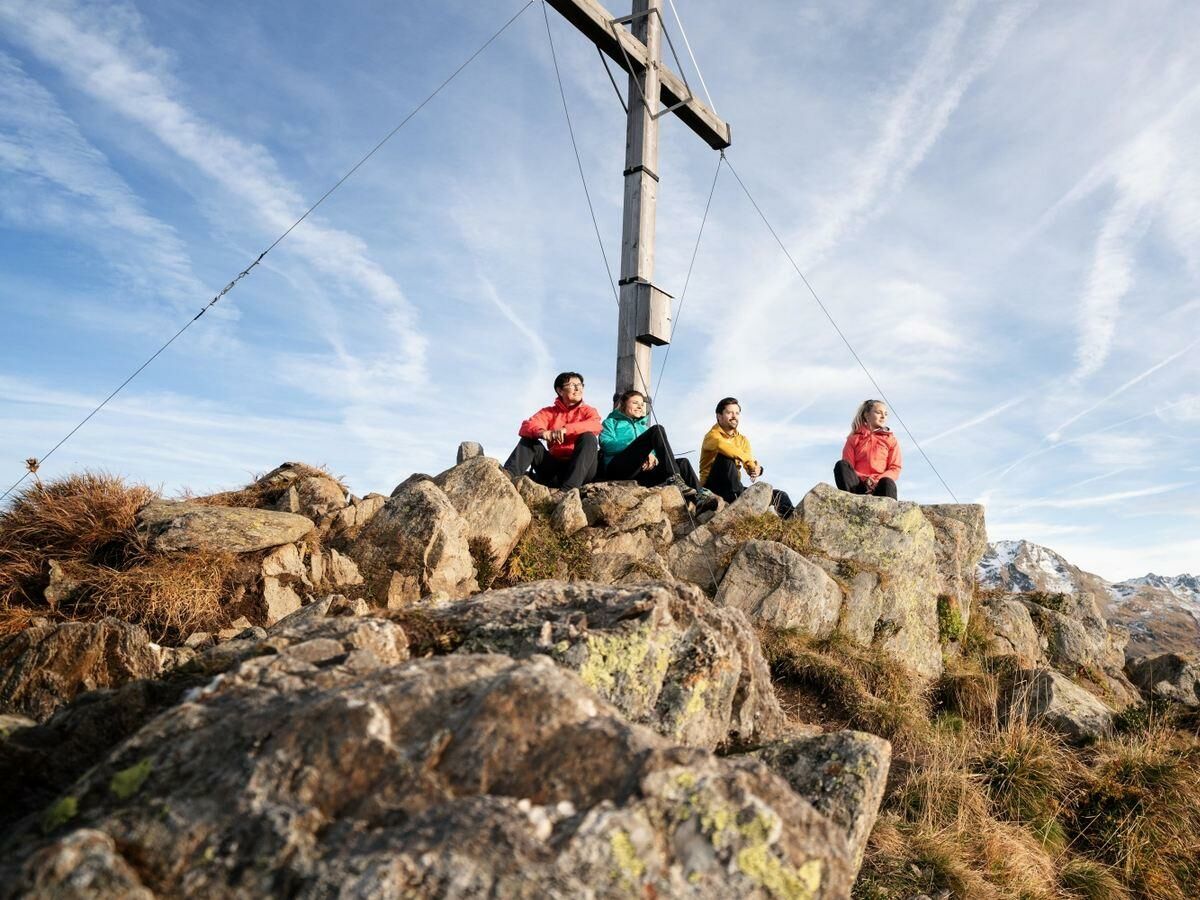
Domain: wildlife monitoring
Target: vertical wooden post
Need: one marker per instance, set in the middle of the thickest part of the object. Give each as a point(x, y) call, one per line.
point(641, 192)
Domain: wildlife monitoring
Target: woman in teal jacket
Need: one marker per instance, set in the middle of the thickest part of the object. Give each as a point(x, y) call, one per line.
point(631, 450)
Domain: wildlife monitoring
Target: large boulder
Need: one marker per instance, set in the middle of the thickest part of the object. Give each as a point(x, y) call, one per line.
point(416, 546)
point(960, 534)
point(884, 554)
point(702, 556)
point(1052, 700)
point(1167, 676)
point(339, 773)
point(45, 666)
point(302, 489)
point(485, 497)
point(179, 525)
point(662, 654)
point(843, 774)
point(774, 584)
point(1013, 631)
point(38, 765)
point(1080, 642)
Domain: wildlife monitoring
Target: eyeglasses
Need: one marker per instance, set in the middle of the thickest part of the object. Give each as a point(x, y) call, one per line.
point(574, 385)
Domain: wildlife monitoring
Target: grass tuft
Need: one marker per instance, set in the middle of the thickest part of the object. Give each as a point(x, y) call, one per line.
point(545, 552)
point(86, 518)
point(867, 687)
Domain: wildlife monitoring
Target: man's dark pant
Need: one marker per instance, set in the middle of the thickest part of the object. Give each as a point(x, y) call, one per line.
point(531, 455)
point(725, 481)
point(628, 463)
point(848, 480)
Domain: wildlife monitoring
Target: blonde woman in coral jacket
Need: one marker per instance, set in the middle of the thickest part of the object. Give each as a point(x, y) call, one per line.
point(870, 462)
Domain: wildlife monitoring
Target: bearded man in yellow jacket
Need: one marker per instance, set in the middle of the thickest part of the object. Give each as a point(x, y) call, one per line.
point(725, 451)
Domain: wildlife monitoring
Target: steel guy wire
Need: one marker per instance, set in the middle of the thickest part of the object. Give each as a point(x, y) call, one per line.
point(839, 331)
point(687, 44)
point(225, 290)
point(688, 278)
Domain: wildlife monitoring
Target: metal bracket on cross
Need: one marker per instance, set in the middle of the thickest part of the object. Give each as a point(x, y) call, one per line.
point(615, 24)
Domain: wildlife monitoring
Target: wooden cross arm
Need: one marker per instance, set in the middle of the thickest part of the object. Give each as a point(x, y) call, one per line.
point(594, 21)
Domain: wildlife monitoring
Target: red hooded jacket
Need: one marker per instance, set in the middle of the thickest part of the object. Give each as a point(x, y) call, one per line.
point(575, 420)
point(873, 454)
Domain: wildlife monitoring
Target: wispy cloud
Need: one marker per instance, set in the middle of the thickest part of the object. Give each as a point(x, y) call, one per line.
point(55, 179)
point(975, 420)
point(915, 119)
point(1056, 433)
point(1100, 499)
point(109, 57)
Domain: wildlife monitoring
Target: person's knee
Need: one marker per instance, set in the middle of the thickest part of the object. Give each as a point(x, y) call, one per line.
point(886, 488)
point(656, 430)
point(587, 440)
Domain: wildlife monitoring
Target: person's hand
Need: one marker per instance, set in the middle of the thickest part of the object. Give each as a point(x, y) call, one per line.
point(871, 482)
point(557, 436)
point(548, 436)
point(649, 463)
point(754, 473)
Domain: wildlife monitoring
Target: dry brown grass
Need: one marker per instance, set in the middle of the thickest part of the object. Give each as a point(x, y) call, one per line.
point(983, 808)
point(1139, 811)
point(260, 494)
point(791, 533)
point(84, 518)
point(868, 688)
point(85, 524)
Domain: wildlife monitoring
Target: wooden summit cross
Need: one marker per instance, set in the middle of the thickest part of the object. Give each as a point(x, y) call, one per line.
point(644, 319)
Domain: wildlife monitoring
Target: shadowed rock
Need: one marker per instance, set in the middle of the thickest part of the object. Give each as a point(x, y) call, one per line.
point(1055, 702)
point(44, 667)
point(843, 774)
point(1167, 676)
point(310, 774)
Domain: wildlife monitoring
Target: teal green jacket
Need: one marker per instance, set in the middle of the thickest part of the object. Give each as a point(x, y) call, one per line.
point(618, 432)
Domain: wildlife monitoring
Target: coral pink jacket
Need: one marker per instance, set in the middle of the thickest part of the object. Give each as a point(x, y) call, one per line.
point(873, 454)
point(575, 420)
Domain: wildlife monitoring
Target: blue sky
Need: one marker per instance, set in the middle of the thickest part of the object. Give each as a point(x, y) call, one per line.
point(999, 202)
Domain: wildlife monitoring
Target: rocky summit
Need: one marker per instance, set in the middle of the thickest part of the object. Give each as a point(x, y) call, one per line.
point(480, 687)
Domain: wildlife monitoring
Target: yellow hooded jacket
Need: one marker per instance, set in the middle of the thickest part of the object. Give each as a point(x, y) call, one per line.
point(736, 446)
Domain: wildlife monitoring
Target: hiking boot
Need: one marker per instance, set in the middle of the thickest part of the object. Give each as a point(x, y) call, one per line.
point(706, 500)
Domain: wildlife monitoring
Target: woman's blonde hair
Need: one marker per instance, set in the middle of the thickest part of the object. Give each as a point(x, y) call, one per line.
point(860, 417)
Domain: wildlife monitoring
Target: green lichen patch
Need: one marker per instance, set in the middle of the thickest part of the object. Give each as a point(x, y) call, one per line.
point(129, 781)
point(630, 867)
point(62, 812)
point(626, 667)
point(778, 879)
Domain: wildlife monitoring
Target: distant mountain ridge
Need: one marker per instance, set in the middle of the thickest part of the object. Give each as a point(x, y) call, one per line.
point(1161, 612)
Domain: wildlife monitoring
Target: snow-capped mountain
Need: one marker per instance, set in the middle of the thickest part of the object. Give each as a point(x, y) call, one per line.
point(1018, 566)
point(1161, 613)
point(1184, 587)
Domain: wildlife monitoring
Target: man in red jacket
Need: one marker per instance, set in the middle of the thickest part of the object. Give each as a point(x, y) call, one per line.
point(558, 443)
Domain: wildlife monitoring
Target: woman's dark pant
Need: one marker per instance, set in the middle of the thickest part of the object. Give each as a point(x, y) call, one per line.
point(725, 481)
point(531, 455)
point(848, 480)
point(628, 463)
